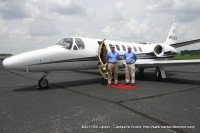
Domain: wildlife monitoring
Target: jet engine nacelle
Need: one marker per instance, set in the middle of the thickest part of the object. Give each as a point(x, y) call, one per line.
point(164, 50)
point(158, 50)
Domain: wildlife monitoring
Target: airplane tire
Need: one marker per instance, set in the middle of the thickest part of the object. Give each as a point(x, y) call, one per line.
point(43, 83)
point(140, 70)
point(158, 76)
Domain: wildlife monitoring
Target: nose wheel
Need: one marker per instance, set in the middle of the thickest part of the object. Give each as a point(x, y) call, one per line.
point(43, 82)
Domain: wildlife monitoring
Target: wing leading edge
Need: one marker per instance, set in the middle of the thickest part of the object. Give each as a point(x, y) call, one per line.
point(158, 63)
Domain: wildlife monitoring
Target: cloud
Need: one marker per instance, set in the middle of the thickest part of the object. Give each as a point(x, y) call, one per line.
point(108, 30)
point(117, 16)
point(55, 17)
point(67, 8)
point(13, 9)
point(11, 30)
point(34, 23)
point(119, 4)
point(136, 30)
point(42, 27)
point(186, 10)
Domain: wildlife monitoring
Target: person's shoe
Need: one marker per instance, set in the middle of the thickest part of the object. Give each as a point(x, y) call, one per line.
point(133, 84)
point(127, 83)
point(115, 83)
point(109, 84)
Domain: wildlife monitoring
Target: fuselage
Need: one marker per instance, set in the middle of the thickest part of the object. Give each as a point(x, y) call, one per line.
point(77, 53)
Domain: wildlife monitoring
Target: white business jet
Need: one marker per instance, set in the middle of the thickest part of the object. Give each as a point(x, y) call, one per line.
point(78, 53)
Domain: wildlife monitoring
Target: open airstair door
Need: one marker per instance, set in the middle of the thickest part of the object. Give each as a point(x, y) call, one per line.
point(102, 63)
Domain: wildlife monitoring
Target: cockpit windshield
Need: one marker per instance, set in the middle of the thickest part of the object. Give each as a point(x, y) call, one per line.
point(66, 42)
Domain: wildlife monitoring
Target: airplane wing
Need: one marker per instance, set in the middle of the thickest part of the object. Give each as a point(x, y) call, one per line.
point(176, 45)
point(157, 63)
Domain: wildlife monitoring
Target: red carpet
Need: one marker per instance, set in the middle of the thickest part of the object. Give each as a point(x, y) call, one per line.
point(122, 86)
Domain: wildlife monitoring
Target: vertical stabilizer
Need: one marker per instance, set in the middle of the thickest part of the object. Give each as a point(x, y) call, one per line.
point(172, 36)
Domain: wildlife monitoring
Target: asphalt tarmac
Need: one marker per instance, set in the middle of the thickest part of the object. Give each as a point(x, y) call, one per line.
point(80, 102)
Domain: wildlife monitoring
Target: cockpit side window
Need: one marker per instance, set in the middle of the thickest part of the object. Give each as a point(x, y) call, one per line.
point(80, 43)
point(66, 42)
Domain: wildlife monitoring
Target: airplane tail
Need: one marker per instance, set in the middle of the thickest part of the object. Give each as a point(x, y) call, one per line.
point(172, 36)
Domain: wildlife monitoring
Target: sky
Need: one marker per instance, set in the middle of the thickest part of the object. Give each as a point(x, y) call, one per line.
point(27, 25)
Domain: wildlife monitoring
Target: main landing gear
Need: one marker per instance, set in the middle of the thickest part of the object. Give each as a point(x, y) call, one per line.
point(43, 82)
point(140, 70)
point(160, 73)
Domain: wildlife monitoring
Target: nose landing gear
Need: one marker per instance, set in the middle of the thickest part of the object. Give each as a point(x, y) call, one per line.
point(43, 82)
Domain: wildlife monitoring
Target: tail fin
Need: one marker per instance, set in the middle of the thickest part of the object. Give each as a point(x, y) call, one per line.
point(172, 37)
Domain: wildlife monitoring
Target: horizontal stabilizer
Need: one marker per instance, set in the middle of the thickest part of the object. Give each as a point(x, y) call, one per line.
point(181, 44)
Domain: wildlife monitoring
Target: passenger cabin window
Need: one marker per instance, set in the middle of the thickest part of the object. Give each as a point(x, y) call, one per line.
point(66, 42)
point(118, 48)
point(140, 49)
point(123, 47)
point(79, 43)
point(110, 45)
point(135, 49)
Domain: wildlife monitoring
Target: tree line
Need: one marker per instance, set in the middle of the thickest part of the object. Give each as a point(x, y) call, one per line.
point(3, 56)
point(190, 52)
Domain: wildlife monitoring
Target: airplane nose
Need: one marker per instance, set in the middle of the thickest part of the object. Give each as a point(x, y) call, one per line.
point(6, 63)
point(10, 63)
